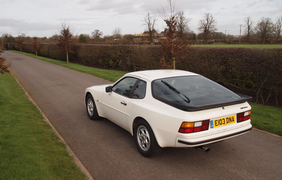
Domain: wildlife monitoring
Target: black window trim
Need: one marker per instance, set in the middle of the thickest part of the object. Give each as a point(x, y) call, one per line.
point(243, 99)
point(133, 88)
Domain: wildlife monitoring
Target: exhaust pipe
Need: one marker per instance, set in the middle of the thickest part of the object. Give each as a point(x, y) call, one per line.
point(203, 148)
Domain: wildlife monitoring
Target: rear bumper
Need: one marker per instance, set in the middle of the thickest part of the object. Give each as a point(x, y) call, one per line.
point(214, 140)
point(194, 141)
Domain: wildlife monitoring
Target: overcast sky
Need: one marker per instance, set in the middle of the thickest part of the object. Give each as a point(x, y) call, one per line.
point(44, 17)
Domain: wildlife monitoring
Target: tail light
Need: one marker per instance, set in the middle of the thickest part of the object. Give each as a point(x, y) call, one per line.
point(243, 116)
point(190, 127)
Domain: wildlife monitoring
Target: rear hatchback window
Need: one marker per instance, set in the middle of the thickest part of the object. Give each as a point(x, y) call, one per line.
point(192, 91)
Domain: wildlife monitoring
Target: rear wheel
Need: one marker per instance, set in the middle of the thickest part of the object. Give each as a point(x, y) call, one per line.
point(145, 139)
point(91, 108)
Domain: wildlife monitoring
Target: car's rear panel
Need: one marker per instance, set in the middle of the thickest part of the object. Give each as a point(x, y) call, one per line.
point(218, 130)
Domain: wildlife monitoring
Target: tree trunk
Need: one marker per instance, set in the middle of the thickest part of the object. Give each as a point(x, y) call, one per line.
point(67, 53)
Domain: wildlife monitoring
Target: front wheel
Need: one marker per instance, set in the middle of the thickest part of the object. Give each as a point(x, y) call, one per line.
point(91, 108)
point(145, 139)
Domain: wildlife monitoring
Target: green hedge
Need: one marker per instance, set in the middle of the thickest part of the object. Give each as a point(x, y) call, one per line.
point(122, 57)
point(257, 72)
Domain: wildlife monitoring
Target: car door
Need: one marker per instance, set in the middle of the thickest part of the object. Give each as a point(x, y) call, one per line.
point(116, 102)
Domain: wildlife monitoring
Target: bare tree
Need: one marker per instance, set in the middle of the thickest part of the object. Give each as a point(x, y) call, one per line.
point(182, 25)
point(20, 40)
point(207, 25)
point(97, 34)
point(117, 33)
point(66, 41)
point(150, 21)
point(3, 66)
point(249, 28)
point(277, 28)
point(35, 45)
point(174, 47)
point(264, 29)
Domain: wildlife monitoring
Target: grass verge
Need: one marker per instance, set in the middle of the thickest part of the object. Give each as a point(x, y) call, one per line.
point(260, 46)
point(29, 149)
point(267, 118)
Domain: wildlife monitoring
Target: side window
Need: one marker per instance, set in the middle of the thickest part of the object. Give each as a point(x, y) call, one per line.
point(140, 90)
point(124, 86)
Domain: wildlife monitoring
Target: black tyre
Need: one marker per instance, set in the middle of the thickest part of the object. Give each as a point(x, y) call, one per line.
point(91, 108)
point(145, 139)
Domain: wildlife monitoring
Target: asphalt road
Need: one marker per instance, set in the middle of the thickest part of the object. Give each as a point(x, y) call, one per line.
point(109, 152)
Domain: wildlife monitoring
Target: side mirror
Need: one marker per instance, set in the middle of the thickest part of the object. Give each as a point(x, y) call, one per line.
point(109, 89)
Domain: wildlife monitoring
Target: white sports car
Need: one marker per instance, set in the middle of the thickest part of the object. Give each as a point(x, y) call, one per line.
point(170, 108)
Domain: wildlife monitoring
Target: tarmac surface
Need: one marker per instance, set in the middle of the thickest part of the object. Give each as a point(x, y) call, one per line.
point(109, 152)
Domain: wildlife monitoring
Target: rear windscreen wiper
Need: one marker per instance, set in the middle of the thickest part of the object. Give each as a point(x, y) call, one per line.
point(185, 98)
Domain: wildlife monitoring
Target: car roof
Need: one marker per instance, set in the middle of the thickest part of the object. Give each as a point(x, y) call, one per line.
point(160, 73)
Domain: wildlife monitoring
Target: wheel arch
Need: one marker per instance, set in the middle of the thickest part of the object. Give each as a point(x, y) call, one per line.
point(86, 94)
point(136, 120)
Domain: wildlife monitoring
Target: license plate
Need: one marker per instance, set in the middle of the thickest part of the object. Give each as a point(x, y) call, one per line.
point(223, 121)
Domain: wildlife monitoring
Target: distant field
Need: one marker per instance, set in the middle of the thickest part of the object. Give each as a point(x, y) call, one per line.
point(261, 46)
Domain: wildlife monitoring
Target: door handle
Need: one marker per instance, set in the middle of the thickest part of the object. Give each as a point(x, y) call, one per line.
point(123, 103)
